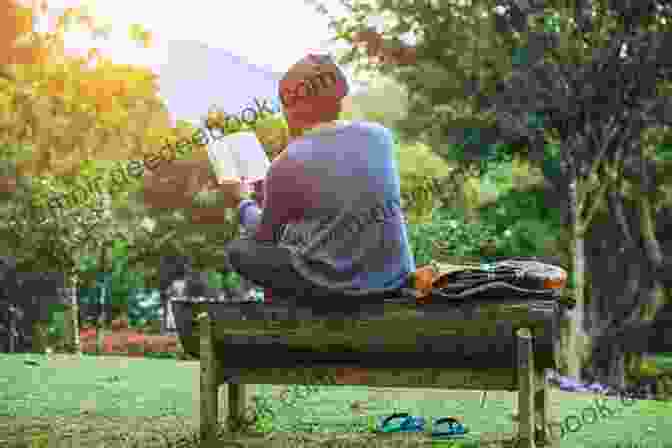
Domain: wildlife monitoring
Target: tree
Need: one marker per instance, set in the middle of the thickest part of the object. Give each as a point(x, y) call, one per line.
point(597, 110)
point(53, 223)
point(483, 73)
point(63, 109)
point(62, 114)
point(616, 236)
point(383, 101)
point(46, 239)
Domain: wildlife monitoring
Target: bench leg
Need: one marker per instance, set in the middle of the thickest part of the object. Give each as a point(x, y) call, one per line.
point(542, 405)
point(526, 389)
point(237, 403)
point(209, 390)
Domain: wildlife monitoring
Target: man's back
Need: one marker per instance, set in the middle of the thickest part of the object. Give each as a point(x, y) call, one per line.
point(334, 202)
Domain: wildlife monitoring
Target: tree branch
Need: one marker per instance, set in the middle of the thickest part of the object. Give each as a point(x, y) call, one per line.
point(584, 189)
point(615, 201)
point(595, 202)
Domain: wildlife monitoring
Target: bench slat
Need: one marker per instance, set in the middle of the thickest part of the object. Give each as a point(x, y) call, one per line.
point(467, 379)
point(475, 335)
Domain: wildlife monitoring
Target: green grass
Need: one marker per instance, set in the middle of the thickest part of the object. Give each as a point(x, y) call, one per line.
point(135, 387)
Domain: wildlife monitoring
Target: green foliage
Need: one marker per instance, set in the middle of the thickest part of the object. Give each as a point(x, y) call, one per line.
point(518, 224)
point(527, 225)
point(517, 206)
point(489, 156)
point(144, 308)
point(126, 284)
point(418, 197)
point(175, 234)
point(457, 47)
point(56, 328)
point(529, 238)
point(551, 165)
point(647, 369)
point(152, 326)
point(273, 133)
point(447, 235)
point(161, 355)
point(383, 101)
point(496, 182)
point(418, 158)
point(126, 292)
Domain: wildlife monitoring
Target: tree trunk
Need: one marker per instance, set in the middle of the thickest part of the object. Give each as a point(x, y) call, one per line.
point(100, 321)
point(623, 336)
point(574, 347)
point(72, 344)
point(654, 255)
point(39, 342)
point(164, 307)
point(100, 334)
point(616, 369)
point(610, 369)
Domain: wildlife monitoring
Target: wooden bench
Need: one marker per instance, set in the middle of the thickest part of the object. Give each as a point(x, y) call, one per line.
point(504, 345)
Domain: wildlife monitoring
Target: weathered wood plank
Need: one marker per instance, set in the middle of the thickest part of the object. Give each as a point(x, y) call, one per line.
point(491, 379)
point(455, 331)
point(467, 317)
point(209, 385)
point(526, 389)
point(542, 408)
point(237, 403)
point(373, 318)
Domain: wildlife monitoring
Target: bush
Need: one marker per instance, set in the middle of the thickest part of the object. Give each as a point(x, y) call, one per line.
point(56, 330)
point(528, 225)
point(447, 235)
point(144, 307)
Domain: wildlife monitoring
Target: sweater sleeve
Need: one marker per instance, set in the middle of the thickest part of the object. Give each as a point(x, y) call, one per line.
point(288, 195)
point(250, 216)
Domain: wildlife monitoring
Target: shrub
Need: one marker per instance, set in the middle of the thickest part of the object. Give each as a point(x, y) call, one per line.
point(144, 307)
point(56, 329)
point(447, 235)
point(647, 369)
point(529, 226)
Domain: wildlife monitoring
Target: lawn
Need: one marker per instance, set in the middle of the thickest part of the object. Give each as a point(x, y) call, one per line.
point(40, 386)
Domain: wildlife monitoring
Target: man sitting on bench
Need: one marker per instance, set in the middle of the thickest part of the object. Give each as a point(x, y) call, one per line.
point(332, 223)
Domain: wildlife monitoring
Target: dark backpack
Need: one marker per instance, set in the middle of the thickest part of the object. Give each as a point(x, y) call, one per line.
point(502, 280)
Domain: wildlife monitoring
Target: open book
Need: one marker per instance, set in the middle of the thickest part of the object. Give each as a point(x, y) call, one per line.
point(238, 155)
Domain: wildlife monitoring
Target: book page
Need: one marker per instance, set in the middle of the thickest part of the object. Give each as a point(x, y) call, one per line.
point(251, 159)
point(223, 160)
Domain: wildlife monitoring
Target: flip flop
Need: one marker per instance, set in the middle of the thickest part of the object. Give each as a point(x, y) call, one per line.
point(404, 423)
point(448, 428)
